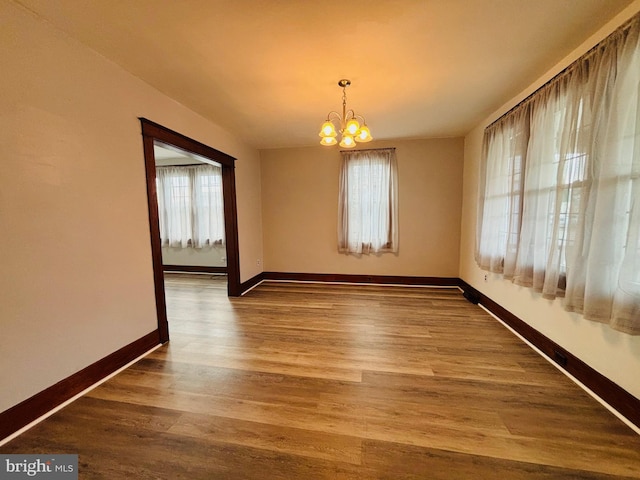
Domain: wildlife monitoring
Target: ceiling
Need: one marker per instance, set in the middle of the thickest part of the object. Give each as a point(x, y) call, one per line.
point(170, 155)
point(267, 70)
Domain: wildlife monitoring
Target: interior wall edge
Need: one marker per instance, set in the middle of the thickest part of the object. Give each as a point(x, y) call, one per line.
point(251, 283)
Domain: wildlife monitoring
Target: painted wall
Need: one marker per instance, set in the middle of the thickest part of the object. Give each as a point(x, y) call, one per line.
point(77, 281)
point(300, 205)
point(613, 354)
point(215, 256)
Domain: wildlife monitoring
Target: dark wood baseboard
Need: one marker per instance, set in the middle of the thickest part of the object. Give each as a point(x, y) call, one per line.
point(193, 269)
point(252, 282)
point(347, 278)
point(25, 412)
point(616, 396)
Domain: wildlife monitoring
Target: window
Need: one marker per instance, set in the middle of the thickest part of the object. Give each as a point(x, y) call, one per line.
point(368, 202)
point(559, 206)
point(190, 206)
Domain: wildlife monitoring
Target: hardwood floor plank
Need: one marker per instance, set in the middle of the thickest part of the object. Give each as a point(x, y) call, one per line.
point(274, 365)
point(295, 441)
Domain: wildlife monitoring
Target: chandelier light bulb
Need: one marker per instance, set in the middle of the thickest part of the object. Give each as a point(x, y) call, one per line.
point(328, 130)
point(347, 141)
point(364, 135)
point(328, 141)
point(352, 126)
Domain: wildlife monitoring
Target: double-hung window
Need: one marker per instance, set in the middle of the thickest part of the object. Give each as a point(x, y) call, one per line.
point(368, 202)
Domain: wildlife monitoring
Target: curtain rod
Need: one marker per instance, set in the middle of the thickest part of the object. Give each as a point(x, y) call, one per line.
point(622, 28)
point(188, 165)
point(367, 150)
point(183, 165)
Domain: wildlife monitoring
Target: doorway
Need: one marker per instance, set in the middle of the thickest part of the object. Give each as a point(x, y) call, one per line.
point(152, 134)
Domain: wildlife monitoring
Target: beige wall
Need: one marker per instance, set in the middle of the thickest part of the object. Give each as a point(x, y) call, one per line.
point(613, 354)
point(76, 280)
point(300, 204)
point(215, 256)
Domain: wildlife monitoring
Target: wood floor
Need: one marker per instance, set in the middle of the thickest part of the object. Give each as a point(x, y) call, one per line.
point(302, 381)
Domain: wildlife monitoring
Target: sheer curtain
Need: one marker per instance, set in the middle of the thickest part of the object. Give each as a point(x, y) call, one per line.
point(605, 280)
point(174, 206)
point(543, 230)
point(579, 232)
point(500, 197)
point(208, 225)
point(368, 202)
point(190, 206)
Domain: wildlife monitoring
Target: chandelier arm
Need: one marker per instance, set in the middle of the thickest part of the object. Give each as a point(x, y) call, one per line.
point(339, 118)
point(335, 114)
point(349, 115)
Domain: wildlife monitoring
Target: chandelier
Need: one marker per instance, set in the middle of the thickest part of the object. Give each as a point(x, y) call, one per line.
point(348, 125)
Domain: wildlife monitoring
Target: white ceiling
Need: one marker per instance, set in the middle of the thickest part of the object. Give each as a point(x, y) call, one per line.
point(170, 155)
point(162, 154)
point(267, 70)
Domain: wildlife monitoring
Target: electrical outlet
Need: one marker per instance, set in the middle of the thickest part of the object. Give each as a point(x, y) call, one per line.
point(258, 262)
point(560, 358)
point(486, 277)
